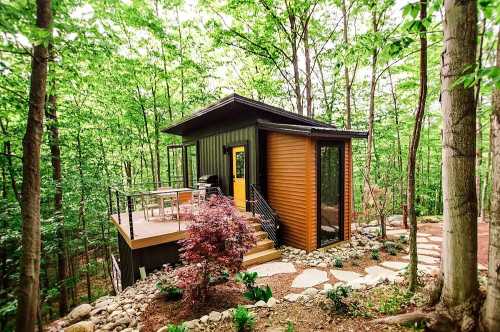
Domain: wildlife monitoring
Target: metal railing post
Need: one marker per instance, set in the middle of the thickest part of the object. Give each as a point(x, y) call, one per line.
point(130, 221)
point(118, 207)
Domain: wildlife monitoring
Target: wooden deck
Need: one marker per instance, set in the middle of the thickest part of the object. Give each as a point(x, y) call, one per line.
point(149, 233)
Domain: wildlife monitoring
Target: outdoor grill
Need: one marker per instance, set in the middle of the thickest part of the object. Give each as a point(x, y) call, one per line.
point(209, 180)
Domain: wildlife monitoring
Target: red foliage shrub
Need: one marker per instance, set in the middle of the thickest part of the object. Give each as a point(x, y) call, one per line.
point(217, 239)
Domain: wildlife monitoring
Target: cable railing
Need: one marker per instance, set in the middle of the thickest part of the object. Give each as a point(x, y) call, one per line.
point(268, 217)
point(139, 202)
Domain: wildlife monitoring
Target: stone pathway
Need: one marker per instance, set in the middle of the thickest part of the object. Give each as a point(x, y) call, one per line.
point(272, 268)
point(309, 278)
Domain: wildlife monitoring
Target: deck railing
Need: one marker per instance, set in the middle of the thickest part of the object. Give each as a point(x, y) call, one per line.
point(135, 198)
point(268, 217)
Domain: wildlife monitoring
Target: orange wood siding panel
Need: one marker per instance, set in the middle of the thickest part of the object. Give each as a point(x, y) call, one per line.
point(291, 187)
point(348, 190)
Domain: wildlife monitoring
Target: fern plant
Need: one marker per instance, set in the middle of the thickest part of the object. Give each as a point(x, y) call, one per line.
point(176, 328)
point(243, 320)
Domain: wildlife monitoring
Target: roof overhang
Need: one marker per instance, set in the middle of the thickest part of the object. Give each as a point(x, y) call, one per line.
point(313, 131)
point(233, 106)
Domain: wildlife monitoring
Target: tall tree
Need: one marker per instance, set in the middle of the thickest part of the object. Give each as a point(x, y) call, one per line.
point(491, 313)
point(459, 259)
point(415, 139)
point(28, 298)
point(55, 158)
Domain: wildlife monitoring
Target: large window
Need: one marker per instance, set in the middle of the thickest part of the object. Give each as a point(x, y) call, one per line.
point(191, 165)
point(330, 194)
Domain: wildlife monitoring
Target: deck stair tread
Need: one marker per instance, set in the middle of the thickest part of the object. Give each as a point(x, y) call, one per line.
point(264, 250)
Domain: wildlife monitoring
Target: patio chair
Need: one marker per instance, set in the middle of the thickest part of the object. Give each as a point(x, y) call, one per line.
point(199, 196)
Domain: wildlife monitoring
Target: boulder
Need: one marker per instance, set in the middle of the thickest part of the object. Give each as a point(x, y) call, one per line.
point(83, 326)
point(79, 313)
point(271, 302)
point(214, 316)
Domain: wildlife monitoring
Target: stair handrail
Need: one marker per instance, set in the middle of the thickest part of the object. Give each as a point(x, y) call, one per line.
point(269, 219)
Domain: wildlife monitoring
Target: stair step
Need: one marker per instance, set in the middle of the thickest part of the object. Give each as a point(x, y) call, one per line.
point(260, 235)
point(256, 226)
point(261, 246)
point(261, 257)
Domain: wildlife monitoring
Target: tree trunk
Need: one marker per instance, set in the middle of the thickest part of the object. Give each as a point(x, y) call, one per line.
point(398, 141)
point(307, 56)
point(477, 100)
point(486, 175)
point(412, 154)
point(346, 70)
point(81, 217)
point(459, 259)
point(55, 154)
point(491, 313)
point(28, 294)
point(371, 115)
point(295, 62)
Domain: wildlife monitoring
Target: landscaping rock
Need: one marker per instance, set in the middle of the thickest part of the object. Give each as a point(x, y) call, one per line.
point(310, 291)
point(427, 246)
point(394, 265)
point(345, 275)
point(79, 313)
point(204, 319)
point(292, 297)
point(261, 304)
point(309, 278)
point(272, 302)
point(272, 268)
point(436, 238)
point(428, 252)
point(424, 259)
point(83, 326)
point(216, 316)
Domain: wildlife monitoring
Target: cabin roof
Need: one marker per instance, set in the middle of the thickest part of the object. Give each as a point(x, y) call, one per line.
point(314, 131)
point(229, 105)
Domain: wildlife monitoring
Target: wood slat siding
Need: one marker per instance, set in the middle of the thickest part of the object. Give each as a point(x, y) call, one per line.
point(213, 160)
point(348, 190)
point(291, 187)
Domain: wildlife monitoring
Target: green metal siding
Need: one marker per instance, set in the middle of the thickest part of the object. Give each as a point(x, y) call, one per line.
point(213, 160)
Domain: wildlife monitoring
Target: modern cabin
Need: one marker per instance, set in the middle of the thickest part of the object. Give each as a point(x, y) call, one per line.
point(289, 174)
point(301, 167)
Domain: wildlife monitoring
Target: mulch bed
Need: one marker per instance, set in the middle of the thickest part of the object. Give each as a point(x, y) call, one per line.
point(161, 312)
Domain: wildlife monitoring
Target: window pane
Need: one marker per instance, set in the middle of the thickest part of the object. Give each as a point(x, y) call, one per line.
point(330, 195)
point(240, 165)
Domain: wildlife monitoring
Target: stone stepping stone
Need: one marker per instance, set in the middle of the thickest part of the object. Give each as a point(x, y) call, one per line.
point(379, 271)
point(481, 267)
point(309, 278)
point(427, 269)
point(427, 246)
point(397, 232)
point(436, 238)
point(422, 240)
point(423, 235)
point(394, 265)
point(429, 252)
point(272, 268)
point(345, 275)
point(424, 259)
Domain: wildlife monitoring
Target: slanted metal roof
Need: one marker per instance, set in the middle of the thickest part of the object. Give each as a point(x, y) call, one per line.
point(236, 103)
point(314, 131)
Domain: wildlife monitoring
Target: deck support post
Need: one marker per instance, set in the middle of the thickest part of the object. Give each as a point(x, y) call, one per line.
point(130, 222)
point(118, 207)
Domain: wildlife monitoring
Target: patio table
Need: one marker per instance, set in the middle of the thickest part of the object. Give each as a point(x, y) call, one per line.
point(165, 193)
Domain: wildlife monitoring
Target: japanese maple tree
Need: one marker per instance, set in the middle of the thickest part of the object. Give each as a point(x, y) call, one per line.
point(217, 239)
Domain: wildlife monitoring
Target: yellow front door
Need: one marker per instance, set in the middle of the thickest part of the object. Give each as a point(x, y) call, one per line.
point(239, 169)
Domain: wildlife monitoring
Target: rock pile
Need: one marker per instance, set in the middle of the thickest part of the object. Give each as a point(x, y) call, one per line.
point(111, 313)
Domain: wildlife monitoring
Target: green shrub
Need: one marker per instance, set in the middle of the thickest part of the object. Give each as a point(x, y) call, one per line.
point(176, 328)
point(337, 262)
point(403, 239)
point(375, 254)
point(392, 251)
point(337, 295)
point(395, 303)
point(247, 278)
point(253, 293)
point(243, 319)
point(263, 293)
point(290, 327)
point(167, 287)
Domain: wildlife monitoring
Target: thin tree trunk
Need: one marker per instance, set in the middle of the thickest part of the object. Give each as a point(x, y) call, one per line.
point(371, 115)
point(55, 154)
point(415, 140)
point(81, 217)
point(398, 140)
point(28, 294)
point(346, 70)
point(491, 313)
point(181, 53)
point(486, 175)
point(10, 167)
point(157, 135)
point(459, 259)
point(307, 56)
point(295, 61)
point(477, 99)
